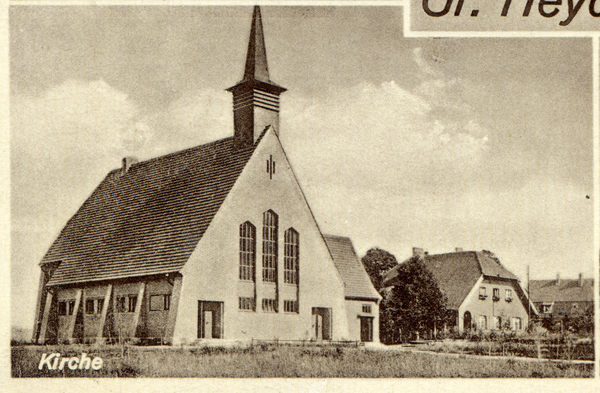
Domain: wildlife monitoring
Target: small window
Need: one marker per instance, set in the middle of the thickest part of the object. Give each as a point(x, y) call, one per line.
point(497, 323)
point(62, 308)
point(482, 293)
point(246, 303)
point(546, 308)
point(366, 308)
point(132, 303)
point(508, 294)
point(167, 302)
point(483, 322)
point(71, 307)
point(99, 306)
point(121, 301)
point(496, 295)
point(89, 306)
point(269, 305)
point(290, 306)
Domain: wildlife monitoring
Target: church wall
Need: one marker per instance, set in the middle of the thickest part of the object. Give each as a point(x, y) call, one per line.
point(212, 272)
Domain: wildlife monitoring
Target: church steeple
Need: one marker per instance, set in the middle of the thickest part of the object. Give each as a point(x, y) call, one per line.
point(256, 97)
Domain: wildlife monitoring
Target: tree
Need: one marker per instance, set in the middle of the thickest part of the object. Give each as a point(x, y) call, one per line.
point(377, 262)
point(414, 304)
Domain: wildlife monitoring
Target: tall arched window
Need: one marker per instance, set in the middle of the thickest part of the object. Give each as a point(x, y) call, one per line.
point(269, 246)
point(247, 251)
point(291, 257)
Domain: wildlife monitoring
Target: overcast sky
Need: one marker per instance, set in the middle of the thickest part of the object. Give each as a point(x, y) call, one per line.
point(397, 142)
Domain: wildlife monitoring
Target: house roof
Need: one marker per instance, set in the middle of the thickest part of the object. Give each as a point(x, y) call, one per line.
point(567, 291)
point(456, 273)
point(356, 280)
point(148, 220)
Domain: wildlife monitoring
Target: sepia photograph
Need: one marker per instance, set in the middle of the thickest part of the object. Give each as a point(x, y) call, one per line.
point(296, 192)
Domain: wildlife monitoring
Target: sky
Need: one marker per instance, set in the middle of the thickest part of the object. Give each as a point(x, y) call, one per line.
point(397, 142)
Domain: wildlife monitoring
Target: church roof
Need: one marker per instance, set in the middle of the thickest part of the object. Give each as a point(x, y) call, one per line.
point(566, 291)
point(357, 283)
point(457, 272)
point(149, 219)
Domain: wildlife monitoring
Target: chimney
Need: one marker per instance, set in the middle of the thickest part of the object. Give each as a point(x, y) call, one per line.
point(127, 163)
point(417, 251)
point(458, 249)
point(581, 280)
point(557, 279)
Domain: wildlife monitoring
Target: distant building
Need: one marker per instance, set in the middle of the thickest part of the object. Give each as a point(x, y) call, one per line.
point(481, 292)
point(562, 298)
point(212, 242)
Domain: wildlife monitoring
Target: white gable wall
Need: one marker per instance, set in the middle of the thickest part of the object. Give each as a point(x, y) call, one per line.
point(212, 272)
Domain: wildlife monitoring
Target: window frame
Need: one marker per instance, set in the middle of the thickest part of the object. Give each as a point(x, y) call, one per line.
point(496, 294)
point(508, 295)
point(247, 264)
point(62, 308)
point(131, 303)
point(291, 257)
point(483, 322)
point(90, 310)
point(269, 305)
point(290, 306)
point(246, 304)
point(270, 246)
point(482, 292)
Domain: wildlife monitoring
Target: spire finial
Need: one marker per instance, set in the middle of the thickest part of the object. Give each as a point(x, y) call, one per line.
point(256, 58)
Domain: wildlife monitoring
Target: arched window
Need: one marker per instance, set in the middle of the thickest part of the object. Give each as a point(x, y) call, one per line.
point(291, 257)
point(247, 251)
point(270, 221)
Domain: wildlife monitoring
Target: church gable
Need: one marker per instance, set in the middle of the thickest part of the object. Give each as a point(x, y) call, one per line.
point(264, 257)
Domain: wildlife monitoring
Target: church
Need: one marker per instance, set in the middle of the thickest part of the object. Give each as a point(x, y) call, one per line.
point(216, 242)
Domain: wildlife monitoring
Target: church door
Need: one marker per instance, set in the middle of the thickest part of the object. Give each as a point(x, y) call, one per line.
point(210, 316)
point(321, 323)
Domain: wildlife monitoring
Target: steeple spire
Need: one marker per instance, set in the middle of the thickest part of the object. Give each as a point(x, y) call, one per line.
point(255, 97)
point(256, 57)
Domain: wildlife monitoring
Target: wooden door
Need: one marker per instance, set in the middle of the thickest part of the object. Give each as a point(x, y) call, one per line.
point(366, 329)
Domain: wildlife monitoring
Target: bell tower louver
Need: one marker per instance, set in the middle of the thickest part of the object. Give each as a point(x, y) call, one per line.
point(256, 97)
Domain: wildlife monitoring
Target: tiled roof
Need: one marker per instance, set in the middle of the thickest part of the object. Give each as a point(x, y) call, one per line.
point(567, 291)
point(456, 273)
point(356, 280)
point(149, 220)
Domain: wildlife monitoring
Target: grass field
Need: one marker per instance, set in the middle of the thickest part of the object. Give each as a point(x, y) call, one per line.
point(281, 361)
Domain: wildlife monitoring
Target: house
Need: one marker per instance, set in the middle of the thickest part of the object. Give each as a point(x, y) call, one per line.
point(562, 298)
point(213, 242)
point(481, 292)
